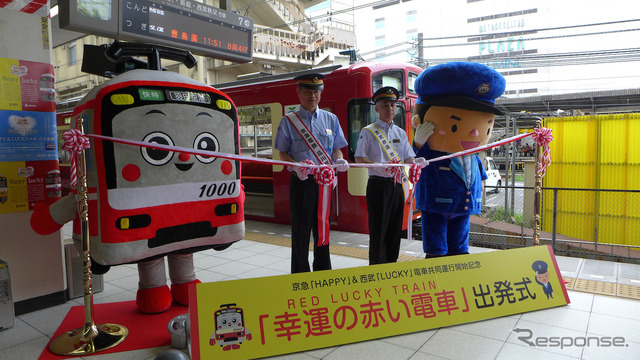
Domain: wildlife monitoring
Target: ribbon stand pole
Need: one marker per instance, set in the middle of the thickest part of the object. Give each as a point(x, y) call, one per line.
point(91, 338)
point(537, 191)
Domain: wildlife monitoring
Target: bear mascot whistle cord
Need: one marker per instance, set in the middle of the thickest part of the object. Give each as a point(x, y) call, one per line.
point(455, 111)
point(146, 204)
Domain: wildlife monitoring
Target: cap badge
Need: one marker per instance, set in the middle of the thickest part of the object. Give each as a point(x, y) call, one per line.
point(483, 89)
point(315, 80)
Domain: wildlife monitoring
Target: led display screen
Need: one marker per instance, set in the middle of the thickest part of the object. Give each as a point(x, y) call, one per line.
point(188, 25)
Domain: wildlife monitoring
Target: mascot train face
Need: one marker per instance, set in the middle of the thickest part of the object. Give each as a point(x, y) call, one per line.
point(143, 203)
point(153, 202)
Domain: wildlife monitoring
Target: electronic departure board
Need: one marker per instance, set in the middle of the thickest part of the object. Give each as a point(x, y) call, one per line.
point(189, 25)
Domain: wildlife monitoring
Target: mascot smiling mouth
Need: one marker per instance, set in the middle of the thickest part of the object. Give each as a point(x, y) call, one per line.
point(184, 167)
point(467, 144)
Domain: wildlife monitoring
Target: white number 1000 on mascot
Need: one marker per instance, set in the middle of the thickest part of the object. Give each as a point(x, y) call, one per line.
point(145, 203)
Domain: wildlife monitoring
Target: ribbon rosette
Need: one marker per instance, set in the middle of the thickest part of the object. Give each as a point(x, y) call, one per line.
point(305, 169)
point(414, 173)
point(324, 176)
point(75, 141)
point(543, 136)
point(396, 171)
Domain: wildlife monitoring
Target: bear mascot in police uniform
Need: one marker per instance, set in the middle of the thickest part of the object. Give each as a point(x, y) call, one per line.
point(455, 111)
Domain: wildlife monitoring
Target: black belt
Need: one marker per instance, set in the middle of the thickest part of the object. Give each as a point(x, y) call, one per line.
point(381, 178)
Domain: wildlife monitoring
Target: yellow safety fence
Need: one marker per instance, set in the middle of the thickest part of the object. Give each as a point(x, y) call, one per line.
point(598, 152)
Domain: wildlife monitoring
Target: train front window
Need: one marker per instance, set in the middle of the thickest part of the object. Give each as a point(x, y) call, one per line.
point(362, 113)
point(255, 131)
point(411, 80)
point(393, 78)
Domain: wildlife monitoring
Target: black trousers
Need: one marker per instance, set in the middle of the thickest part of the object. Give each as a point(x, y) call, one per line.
point(303, 211)
point(385, 203)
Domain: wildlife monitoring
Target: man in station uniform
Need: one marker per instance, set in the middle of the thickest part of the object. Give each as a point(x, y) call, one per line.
point(323, 147)
point(384, 142)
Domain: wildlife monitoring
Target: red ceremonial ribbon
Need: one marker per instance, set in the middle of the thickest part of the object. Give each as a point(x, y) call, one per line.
point(307, 170)
point(543, 136)
point(414, 175)
point(325, 177)
point(395, 171)
point(321, 176)
point(75, 142)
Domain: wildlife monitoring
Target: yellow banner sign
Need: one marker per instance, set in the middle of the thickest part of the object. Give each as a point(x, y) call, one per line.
point(252, 318)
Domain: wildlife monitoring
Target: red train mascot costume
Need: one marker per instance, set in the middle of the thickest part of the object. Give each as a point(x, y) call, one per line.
point(454, 112)
point(146, 204)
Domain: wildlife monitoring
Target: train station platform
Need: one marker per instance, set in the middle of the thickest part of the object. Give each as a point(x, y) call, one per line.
point(605, 304)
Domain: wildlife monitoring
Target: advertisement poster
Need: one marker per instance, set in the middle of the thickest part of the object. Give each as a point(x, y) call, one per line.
point(29, 171)
point(26, 85)
point(25, 183)
point(267, 316)
point(28, 136)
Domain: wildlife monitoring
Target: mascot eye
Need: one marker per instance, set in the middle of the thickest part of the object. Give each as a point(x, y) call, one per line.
point(488, 131)
point(208, 142)
point(157, 156)
point(454, 128)
point(224, 322)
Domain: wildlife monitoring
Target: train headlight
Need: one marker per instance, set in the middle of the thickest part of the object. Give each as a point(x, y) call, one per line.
point(226, 209)
point(223, 104)
point(133, 222)
point(121, 99)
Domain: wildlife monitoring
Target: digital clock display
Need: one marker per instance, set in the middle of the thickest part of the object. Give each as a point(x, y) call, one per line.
point(193, 26)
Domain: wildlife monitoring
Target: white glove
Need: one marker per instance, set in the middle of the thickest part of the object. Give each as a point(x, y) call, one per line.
point(300, 171)
point(423, 131)
point(421, 161)
point(342, 165)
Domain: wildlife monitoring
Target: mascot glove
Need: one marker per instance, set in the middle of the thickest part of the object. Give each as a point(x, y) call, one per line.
point(342, 165)
point(422, 162)
point(423, 131)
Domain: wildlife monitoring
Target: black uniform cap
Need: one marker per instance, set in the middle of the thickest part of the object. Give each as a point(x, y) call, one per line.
point(385, 93)
point(311, 81)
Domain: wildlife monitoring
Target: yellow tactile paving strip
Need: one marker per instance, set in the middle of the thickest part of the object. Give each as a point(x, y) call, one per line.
point(335, 249)
point(582, 285)
point(629, 291)
point(595, 287)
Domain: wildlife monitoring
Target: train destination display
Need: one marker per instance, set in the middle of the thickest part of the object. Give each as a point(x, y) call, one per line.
point(189, 25)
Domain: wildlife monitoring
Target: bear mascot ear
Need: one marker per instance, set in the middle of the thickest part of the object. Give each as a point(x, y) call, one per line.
point(47, 219)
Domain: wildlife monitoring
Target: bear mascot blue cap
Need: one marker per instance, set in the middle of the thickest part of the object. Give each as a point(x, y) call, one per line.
point(465, 85)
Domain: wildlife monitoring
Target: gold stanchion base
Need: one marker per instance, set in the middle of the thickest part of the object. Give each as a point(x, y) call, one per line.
point(89, 339)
